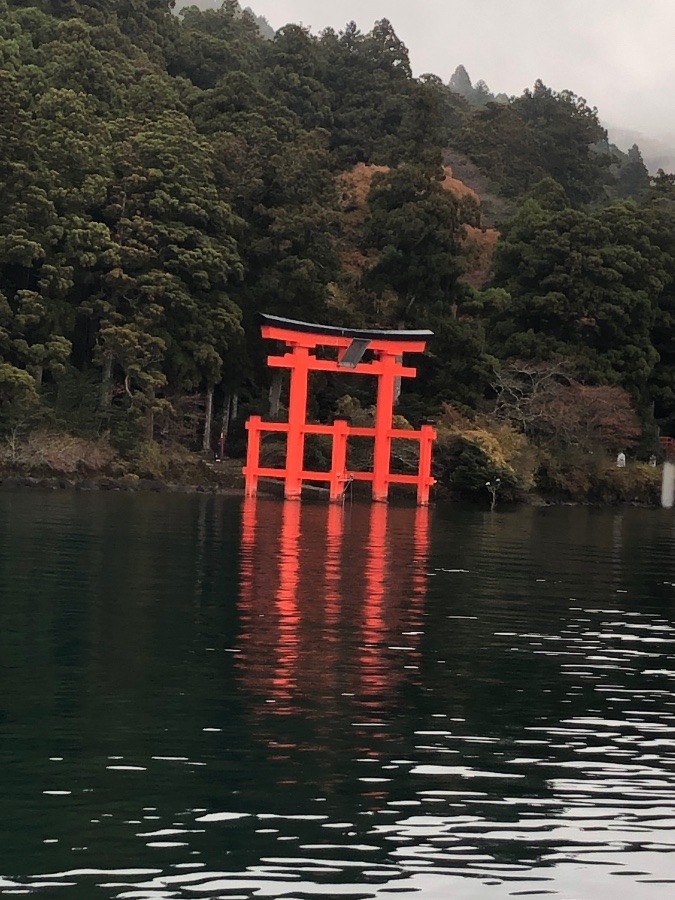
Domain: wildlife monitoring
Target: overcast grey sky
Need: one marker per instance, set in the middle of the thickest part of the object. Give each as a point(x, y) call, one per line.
point(618, 54)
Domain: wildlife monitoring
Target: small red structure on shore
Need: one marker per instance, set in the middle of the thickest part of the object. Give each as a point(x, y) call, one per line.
point(347, 347)
point(668, 445)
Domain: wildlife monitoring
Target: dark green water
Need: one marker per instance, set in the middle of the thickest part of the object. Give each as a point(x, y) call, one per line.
point(204, 698)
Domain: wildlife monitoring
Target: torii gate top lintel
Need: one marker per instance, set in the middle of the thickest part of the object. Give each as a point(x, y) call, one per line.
point(293, 325)
point(310, 334)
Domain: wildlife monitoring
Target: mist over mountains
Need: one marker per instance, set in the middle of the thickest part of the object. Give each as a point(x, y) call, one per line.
point(264, 26)
point(657, 153)
point(658, 150)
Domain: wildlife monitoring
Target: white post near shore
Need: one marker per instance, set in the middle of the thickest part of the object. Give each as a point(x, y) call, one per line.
point(668, 485)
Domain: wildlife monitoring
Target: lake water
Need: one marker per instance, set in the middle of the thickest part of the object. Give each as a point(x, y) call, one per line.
point(202, 697)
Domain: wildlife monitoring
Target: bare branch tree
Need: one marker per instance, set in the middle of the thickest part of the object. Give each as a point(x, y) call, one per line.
point(545, 402)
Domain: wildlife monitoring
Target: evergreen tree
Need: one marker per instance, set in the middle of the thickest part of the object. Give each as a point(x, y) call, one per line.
point(369, 77)
point(164, 308)
point(583, 286)
point(632, 179)
point(416, 227)
point(542, 133)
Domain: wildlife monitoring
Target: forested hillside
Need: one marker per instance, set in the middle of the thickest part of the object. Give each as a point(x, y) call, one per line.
point(166, 177)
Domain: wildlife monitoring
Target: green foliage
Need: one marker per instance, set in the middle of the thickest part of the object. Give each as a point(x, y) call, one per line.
point(457, 368)
point(637, 483)
point(212, 42)
point(464, 469)
point(632, 177)
point(416, 227)
point(476, 95)
point(584, 286)
point(541, 133)
point(371, 83)
point(577, 476)
point(474, 454)
point(149, 461)
point(75, 402)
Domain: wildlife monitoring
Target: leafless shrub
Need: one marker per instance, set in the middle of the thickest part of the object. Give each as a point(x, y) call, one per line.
point(62, 454)
point(546, 403)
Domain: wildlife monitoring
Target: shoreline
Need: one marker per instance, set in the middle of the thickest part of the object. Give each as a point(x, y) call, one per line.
point(110, 484)
point(106, 484)
point(272, 489)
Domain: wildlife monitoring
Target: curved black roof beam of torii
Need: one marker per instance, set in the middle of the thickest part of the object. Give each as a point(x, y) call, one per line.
point(367, 334)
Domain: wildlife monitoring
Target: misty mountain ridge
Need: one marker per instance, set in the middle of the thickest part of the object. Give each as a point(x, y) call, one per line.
point(478, 94)
point(657, 152)
point(264, 26)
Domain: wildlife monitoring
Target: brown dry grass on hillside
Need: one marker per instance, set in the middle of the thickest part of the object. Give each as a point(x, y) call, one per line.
point(354, 186)
point(457, 187)
point(480, 245)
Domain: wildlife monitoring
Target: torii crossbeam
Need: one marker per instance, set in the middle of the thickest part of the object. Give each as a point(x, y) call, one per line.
point(346, 348)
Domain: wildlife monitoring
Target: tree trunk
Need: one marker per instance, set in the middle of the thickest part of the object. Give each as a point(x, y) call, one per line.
point(275, 393)
point(224, 425)
point(208, 420)
point(150, 416)
point(235, 406)
point(106, 382)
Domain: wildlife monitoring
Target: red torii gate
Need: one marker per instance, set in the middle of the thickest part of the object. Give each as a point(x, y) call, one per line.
point(302, 340)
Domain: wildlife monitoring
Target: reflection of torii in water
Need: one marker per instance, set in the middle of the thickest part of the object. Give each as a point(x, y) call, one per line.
point(348, 346)
point(331, 613)
point(300, 577)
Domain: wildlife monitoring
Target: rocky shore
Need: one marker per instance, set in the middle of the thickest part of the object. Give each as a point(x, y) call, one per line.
point(199, 476)
point(115, 484)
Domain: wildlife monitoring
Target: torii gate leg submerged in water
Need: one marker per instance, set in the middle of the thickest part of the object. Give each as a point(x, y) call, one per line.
point(350, 344)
